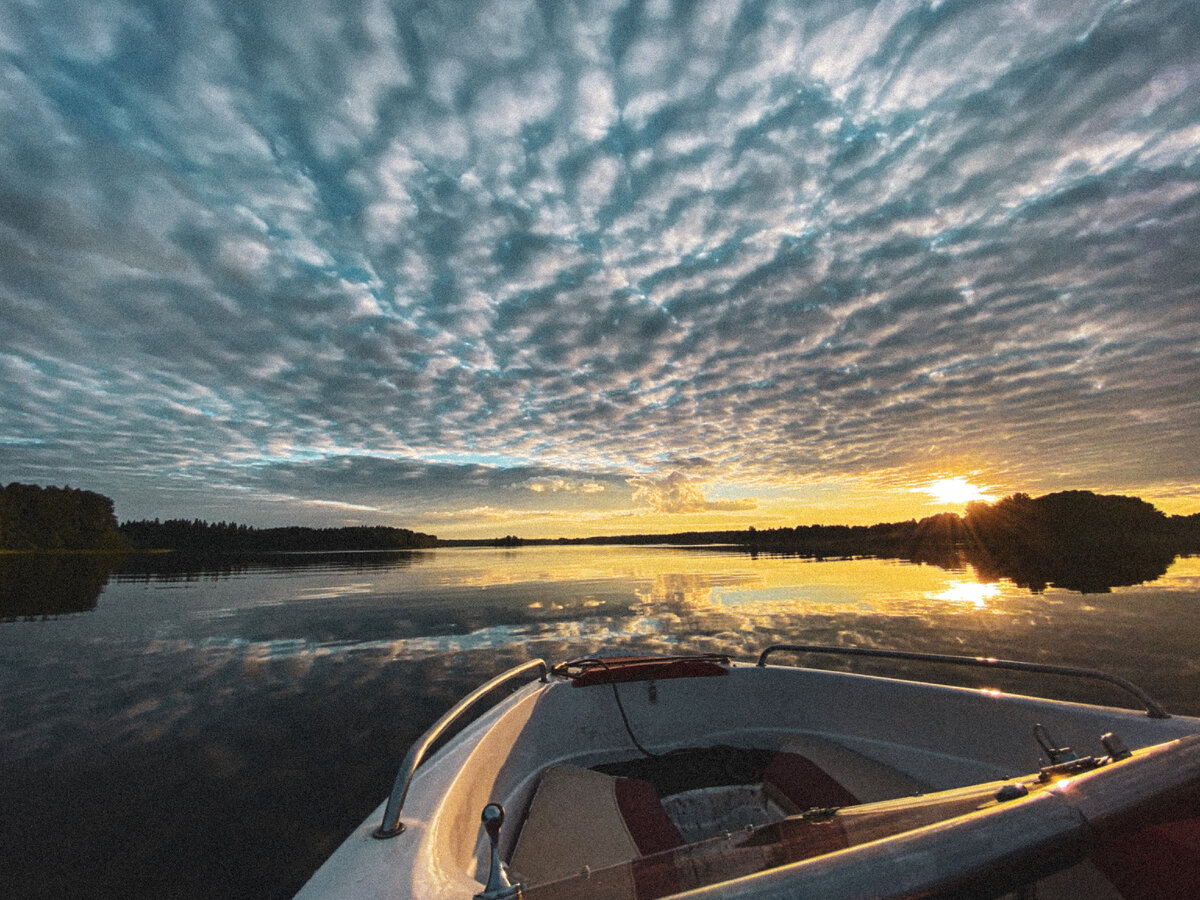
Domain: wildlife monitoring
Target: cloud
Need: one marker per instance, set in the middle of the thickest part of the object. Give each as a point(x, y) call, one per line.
point(749, 241)
point(336, 504)
point(556, 484)
point(676, 493)
point(473, 515)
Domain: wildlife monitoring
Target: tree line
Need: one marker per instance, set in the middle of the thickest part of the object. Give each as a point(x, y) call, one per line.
point(34, 518)
point(57, 518)
point(1078, 519)
point(1077, 540)
point(198, 536)
point(1081, 518)
point(1070, 538)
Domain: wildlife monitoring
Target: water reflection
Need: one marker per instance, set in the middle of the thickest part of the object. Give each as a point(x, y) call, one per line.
point(44, 585)
point(1074, 566)
point(188, 567)
point(1085, 570)
point(790, 586)
point(39, 585)
point(273, 703)
point(973, 592)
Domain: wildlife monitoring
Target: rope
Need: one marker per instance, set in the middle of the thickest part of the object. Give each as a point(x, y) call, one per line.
point(582, 665)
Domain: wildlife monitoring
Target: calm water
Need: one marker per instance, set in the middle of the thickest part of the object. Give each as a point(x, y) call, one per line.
point(216, 732)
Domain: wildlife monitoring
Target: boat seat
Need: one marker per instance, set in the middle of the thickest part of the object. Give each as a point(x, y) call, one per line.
point(1153, 862)
point(580, 818)
point(810, 771)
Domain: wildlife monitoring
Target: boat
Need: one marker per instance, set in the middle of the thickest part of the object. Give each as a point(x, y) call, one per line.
point(703, 777)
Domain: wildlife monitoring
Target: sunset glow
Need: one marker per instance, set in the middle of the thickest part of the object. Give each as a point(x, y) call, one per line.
point(955, 491)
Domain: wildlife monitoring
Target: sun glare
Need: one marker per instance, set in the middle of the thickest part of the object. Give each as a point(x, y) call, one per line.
point(954, 490)
point(970, 592)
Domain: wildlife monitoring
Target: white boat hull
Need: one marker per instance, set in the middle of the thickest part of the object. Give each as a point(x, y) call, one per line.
point(937, 736)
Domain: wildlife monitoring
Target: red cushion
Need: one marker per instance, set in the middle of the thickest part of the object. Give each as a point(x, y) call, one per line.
point(648, 823)
point(804, 783)
point(1157, 863)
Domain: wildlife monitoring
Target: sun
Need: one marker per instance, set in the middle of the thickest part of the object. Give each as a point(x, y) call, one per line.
point(954, 490)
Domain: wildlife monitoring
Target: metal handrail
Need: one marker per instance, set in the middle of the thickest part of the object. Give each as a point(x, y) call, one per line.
point(1153, 709)
point(391, 825)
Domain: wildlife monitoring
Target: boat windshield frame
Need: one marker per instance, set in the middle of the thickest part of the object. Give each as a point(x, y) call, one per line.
point(1153, 708)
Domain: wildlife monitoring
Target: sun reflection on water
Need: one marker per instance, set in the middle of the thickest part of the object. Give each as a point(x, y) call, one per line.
point(972, 592)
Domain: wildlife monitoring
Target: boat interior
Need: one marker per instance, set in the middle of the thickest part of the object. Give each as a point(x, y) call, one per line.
point(589, 818)
point(657, 822)
point(702, 777)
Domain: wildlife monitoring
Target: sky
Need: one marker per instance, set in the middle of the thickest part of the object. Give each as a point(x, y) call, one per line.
point(551, 268)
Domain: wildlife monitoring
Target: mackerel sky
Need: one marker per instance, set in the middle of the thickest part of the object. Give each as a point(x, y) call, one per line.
point(583, 267)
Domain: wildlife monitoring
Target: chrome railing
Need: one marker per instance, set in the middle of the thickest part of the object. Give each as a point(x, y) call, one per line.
point(391, 825)
point(1152, 707)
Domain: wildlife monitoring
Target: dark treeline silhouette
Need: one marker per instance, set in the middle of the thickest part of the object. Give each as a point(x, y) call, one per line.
point(803, 540)
point(34, 518)
point(1076, 540)
point(1078, 518)
point(57, 518)
point(209, 538)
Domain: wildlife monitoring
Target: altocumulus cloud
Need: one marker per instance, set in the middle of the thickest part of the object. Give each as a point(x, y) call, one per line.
point(261, 254)
point(676, 493)
point(542, 484)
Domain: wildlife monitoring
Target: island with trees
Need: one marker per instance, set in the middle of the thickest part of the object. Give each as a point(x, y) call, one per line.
point(210, 538)
point(59, 546)
point(1077, 540)
point(57, 518)
point(41, 519)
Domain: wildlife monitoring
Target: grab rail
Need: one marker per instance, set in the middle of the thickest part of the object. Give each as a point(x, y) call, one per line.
point(1153, 709)
point(391, 825)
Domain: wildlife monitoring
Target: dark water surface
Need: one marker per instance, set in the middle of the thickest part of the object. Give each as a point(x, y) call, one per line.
point(179, 730)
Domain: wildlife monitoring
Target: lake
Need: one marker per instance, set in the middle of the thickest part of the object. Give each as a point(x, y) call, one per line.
point(173, 729)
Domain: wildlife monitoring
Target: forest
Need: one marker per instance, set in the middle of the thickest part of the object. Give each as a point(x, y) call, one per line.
point(1080, 518)
point(1073, 539)
point(34, 518)
point(57, 518)
point(197, 536)
point(1077, 540)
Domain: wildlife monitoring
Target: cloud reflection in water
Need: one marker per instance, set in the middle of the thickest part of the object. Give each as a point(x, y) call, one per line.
point(290, 696)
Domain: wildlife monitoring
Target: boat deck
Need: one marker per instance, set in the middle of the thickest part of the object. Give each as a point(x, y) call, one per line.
point(648, 778)
point(625, 829)
point(583, 819)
